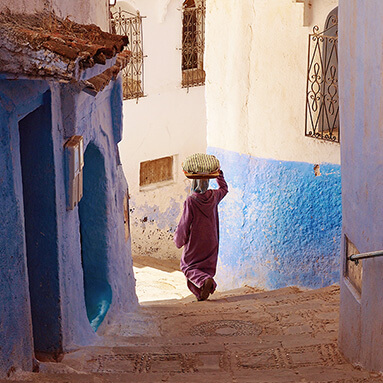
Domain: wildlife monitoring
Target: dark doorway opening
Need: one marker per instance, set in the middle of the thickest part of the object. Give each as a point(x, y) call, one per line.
point(40, 223)
point(94, 242)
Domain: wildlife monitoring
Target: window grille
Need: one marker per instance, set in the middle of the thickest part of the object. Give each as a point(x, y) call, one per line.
point(322, 104)
point(128, 24)
point(193, 43)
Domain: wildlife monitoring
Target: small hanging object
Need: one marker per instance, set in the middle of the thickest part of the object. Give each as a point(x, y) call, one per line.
point(201, 166)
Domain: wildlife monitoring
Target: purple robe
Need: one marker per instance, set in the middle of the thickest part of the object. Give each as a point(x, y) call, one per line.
point(198, 232)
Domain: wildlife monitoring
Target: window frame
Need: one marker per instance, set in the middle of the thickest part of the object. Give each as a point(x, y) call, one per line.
point(193, 43)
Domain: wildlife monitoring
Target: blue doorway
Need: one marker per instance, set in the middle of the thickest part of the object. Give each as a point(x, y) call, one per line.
point(40, 226)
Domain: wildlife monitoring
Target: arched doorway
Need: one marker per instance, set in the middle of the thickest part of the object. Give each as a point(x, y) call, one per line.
point(94, 242)
point(40, 225)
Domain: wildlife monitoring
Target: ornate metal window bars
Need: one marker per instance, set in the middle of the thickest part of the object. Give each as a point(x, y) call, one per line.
point(128, 24)
point(322, 104)
point(193, 43)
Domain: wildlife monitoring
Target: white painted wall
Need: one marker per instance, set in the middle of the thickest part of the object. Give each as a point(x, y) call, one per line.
point(256, 64)
point(83, 12)
point(169, 121)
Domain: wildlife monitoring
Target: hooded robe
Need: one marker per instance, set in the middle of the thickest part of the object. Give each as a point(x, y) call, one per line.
point(198, 232)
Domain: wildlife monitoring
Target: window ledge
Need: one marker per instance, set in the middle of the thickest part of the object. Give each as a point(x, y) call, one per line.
point(156, 185)
point(193, 77)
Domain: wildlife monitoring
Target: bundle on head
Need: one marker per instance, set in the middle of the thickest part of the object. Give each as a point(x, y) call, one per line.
point(202, 166)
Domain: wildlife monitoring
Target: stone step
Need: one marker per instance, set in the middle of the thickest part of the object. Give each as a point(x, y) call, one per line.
point(287, 335)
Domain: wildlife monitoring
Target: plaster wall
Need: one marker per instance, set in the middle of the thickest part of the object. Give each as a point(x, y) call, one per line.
point(281, 221)
point(99, 120)
point(103, 128)
point(256, 69)
point(16, 351)
point(274, 229)
point(84, 12)
point(169, 121)
point(361, 34)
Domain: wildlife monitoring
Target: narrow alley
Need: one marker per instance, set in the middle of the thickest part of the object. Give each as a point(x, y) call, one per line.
point(103, 103)
point(245, 335)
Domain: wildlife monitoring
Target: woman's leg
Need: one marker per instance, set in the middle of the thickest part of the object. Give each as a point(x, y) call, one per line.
point(194, 289)
point(203, 292)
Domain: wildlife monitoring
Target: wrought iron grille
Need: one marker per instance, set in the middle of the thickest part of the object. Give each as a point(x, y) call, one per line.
point(128, 24)
point(322, 104)
point(193, 43)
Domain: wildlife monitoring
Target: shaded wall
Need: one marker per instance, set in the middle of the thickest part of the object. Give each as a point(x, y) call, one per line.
point(281, 221)
point(93, 228)
point(40, 225)
point(360, 56)
point(99, 120)
point(16, 340)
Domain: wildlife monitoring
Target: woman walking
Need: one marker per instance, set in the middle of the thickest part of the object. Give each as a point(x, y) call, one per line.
point(198, 232)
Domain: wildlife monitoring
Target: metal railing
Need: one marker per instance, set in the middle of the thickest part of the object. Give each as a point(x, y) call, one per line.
point(356, 257)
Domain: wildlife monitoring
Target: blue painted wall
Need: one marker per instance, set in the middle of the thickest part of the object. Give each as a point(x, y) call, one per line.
point(16, 343)
point(99, 120)
point(47, 311)
point(93, 227)
point(280, 224)
point(40, 223)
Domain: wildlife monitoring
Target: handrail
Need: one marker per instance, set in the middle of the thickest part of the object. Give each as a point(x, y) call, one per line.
point(356, 257)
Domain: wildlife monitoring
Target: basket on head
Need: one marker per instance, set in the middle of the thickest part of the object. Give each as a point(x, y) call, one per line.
point(200, 165)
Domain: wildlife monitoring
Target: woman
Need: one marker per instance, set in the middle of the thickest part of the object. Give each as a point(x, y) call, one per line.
point(198, 232)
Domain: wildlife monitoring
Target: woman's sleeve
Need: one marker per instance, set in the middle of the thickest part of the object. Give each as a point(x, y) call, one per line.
point(181, 236)
point(222, 187)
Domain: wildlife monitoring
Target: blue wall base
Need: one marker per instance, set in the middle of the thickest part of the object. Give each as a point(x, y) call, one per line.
point(280, 225)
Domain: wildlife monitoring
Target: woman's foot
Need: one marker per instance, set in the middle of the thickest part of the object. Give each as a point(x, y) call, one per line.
point(206, 289)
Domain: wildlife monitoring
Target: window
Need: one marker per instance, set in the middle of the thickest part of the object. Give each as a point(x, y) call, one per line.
point(157, 172)
point(322, 104)
point(130, 24)
point(193, 43)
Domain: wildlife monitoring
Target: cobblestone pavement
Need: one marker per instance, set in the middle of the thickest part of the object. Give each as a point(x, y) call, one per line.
point(287, 335)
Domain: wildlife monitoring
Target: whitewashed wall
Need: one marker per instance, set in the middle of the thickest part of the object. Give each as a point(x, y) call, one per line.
point(84, 11)
point(256, 63)
point(169, 121)
point(281, 221)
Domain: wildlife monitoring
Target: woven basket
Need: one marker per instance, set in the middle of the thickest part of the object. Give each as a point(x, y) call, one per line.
point(202, 166)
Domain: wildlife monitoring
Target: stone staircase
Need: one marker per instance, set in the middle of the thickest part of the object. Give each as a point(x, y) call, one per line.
point(249, 336)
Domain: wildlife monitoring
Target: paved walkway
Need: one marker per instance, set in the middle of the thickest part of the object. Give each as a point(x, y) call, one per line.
point(245, 336)
point(159, 279)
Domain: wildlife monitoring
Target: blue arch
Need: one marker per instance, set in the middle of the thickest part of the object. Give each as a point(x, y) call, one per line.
point(94, 242)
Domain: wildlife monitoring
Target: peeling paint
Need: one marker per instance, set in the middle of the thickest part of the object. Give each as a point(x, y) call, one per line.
point(153, 229)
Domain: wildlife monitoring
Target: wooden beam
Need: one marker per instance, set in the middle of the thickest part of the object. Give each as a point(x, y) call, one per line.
point(307, 4)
